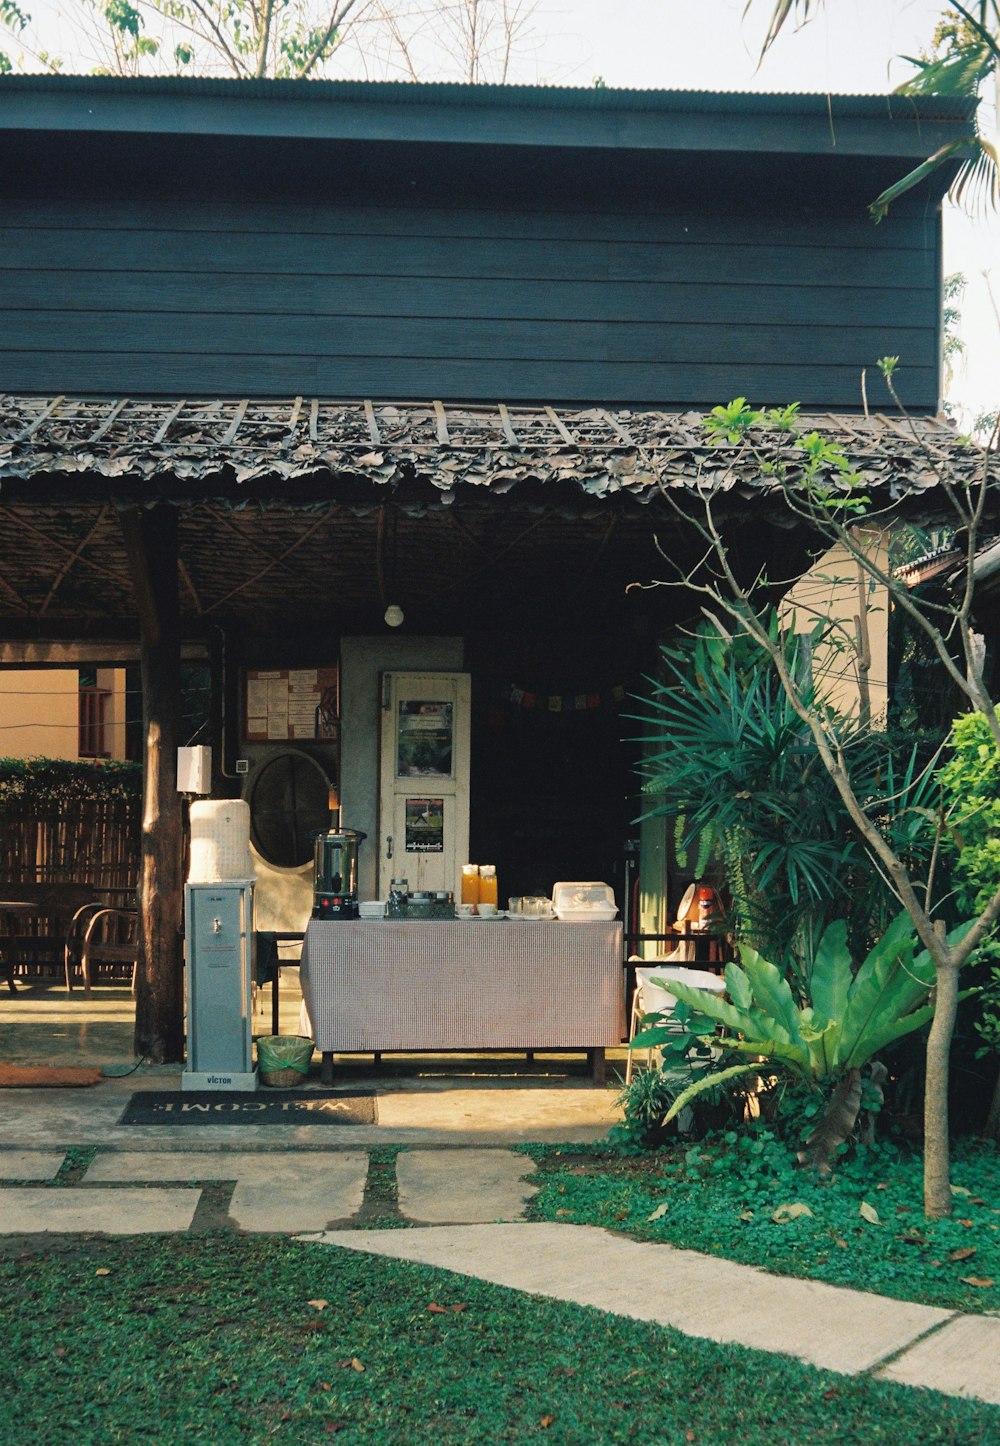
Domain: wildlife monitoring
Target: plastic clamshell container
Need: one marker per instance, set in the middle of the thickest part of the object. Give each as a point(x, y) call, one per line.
point(583, 903)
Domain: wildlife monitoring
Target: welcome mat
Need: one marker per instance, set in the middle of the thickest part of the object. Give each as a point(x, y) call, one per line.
point(263, 1107)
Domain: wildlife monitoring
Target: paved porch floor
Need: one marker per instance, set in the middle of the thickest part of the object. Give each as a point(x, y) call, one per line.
point(422, 1099)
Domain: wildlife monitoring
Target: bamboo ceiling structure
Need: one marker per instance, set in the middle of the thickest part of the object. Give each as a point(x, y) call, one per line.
point(327, 510)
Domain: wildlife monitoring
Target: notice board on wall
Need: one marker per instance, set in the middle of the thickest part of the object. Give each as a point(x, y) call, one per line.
point(300, 704)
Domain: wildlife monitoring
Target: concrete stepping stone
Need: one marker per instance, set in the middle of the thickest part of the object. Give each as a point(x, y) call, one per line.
point(825, 1325)
point(29, 1210)
point(275, 1191)
point(485, 1118)
point(30, 1164)
point(452, 1186)
point(961, 1359)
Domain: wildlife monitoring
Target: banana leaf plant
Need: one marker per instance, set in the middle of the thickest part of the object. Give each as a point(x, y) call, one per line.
point(851, 1017)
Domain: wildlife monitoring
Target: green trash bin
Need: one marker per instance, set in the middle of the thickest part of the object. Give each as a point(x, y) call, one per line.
point(283, 1059)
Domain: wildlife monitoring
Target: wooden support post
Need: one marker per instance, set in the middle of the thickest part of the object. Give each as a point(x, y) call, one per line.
point(151, 544)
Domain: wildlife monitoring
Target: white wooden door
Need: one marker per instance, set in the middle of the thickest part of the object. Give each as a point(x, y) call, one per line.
point(424, 780)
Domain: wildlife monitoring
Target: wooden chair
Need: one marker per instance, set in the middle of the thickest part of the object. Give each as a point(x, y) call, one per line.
point(650, 998)
point(99, 934)
point(33, 919)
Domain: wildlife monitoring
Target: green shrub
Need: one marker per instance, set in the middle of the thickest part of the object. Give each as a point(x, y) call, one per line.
point(45, 783)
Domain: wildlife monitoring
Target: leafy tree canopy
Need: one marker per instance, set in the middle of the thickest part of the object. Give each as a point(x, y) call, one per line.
point(473, 40)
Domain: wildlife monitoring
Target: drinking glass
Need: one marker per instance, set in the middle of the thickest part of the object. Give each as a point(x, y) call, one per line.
point(488, 884)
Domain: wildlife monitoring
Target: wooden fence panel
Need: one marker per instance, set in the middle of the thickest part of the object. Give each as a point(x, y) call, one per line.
point(83, 841)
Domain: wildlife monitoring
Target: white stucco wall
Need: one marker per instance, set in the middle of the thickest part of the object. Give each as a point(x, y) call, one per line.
point(831, 590)
point(283, 898)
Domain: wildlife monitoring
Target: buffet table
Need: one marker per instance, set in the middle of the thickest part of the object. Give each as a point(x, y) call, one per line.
point(463, 984)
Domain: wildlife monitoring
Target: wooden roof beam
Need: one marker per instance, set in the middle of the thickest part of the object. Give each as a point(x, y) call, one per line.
point(563, 431)
point(73, 557)
point(276, 562)
point(44, 416)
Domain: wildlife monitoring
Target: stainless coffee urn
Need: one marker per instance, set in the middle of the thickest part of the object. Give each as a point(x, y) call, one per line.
point(335, 894)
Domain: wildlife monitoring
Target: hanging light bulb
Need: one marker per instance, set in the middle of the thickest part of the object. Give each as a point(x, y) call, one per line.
point(394, 615)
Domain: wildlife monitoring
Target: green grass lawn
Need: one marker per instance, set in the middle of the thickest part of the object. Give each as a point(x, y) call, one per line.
point(866, 1228)
point(227, 1339)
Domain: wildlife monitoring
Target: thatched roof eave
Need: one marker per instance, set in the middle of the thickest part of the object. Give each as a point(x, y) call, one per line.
point(423, 456)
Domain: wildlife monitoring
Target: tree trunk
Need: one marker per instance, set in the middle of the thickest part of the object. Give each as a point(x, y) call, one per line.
point(937, 1173)
point(991, 1129)
point(151, 542)
point(863, 650)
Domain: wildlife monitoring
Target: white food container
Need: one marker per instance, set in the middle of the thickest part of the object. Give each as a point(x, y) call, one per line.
point(583, 903)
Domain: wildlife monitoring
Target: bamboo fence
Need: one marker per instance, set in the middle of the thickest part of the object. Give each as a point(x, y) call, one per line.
point(52, 833)
point(78, 841)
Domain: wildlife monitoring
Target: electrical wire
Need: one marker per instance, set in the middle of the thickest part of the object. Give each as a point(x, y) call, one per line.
point(124, 1074)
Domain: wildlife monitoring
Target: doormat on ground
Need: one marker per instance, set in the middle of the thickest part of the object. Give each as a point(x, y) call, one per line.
point(266, 1107)
point(44, 1076)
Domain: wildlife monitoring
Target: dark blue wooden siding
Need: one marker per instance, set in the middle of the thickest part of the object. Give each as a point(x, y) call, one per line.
point(673, 308)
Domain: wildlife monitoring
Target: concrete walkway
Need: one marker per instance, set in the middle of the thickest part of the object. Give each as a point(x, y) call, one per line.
point(827, 1326)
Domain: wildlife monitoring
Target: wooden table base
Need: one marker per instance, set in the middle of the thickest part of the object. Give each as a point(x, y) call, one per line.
point(595, 1060)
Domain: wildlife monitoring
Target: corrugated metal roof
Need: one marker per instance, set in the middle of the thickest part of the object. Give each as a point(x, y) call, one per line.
point(546, 97)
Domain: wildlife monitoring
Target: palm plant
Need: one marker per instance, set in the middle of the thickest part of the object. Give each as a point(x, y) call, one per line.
point(728, 754)
point(965, 58)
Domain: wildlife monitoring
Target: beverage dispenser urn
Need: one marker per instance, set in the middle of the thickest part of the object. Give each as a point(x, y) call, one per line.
point(335, 893)
point(219, 940)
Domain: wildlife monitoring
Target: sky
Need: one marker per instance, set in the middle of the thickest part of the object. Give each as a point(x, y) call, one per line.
point(850, 46)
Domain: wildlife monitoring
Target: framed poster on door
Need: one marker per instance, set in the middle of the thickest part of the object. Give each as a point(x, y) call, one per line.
point(425, 738)
point(424, 779)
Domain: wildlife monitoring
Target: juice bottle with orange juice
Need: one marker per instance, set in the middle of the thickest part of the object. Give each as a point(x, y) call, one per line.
point(470, 883)
point(488, 884)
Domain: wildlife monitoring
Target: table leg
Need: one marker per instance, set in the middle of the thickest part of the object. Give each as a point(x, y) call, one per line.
point(274, 1002)
point(326, 1069)
point(598, 1072)
point(8, 952)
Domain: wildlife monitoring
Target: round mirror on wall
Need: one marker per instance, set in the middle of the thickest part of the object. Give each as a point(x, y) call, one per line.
point(289, 798)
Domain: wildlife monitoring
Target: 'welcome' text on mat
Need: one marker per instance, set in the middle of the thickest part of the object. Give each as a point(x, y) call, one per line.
point(230, 1107)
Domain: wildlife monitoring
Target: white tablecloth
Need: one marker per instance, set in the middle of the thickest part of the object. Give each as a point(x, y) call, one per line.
point(388, 984)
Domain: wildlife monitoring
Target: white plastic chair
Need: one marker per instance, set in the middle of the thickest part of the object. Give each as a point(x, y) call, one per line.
point(650, 998)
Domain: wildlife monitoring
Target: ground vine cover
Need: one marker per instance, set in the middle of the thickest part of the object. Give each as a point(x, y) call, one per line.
point(740, 1196)
point(226, 1339)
